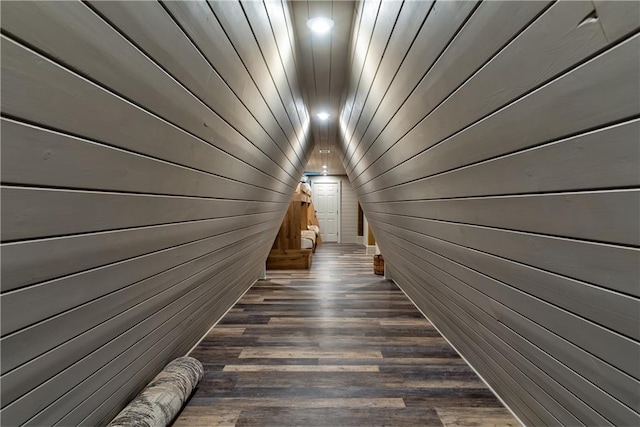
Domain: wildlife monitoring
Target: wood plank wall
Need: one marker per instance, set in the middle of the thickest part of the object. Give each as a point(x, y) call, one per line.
point(349, 213)
point(149, 152)
point(496, 155)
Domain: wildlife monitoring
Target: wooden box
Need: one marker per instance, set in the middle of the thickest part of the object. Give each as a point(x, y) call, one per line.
point(378, 265)
point(289, 259)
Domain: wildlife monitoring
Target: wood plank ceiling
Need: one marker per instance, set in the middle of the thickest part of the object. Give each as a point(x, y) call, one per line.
point(149, 153)
point(495, 156)
point(322, 64)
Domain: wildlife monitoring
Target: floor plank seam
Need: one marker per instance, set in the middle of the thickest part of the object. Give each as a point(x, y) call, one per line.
point(334, 345)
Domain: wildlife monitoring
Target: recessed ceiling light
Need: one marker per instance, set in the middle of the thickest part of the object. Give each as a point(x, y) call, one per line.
point(320, 25)
point(324, 173)
point(324, 166)
point(323, 115)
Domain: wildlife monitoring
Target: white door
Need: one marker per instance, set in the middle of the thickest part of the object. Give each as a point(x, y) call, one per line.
point(325, 201)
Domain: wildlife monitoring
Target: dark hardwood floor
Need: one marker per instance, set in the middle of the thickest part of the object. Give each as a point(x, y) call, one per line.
point(334, 345)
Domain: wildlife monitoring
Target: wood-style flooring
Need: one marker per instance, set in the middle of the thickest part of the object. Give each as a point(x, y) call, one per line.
point(331, 346)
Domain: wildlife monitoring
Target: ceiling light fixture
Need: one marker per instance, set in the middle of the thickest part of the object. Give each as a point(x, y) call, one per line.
point(323, 115)
point(324, 166)
point(320, 25)
point(324, 151)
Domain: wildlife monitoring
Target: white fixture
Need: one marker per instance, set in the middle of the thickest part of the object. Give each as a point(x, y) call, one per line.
point(324, 166)
point(320, 25)
point(324, 151)
point(323, 115)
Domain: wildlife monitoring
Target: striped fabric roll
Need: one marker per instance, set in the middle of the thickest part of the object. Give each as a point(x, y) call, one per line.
point(159, 403)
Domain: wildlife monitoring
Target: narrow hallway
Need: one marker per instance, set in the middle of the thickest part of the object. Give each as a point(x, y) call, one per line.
point(334, 345)
point(155, 154)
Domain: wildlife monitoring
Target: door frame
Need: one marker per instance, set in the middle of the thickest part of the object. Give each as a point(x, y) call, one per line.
point(330, 180)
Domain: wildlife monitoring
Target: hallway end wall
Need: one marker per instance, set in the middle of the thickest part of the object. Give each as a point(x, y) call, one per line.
point(494, 149)
point(348, 207)
point(149, 153)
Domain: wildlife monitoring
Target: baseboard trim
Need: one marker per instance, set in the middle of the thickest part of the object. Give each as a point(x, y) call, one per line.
point(463, 358)
point(221, 317)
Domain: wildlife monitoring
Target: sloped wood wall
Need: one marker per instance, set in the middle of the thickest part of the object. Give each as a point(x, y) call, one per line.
point(494, 147)
point(149, 152)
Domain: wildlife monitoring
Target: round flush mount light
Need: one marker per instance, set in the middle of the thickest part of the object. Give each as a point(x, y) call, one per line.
point(320, 25)
point(324, 166)
point(323, 116)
